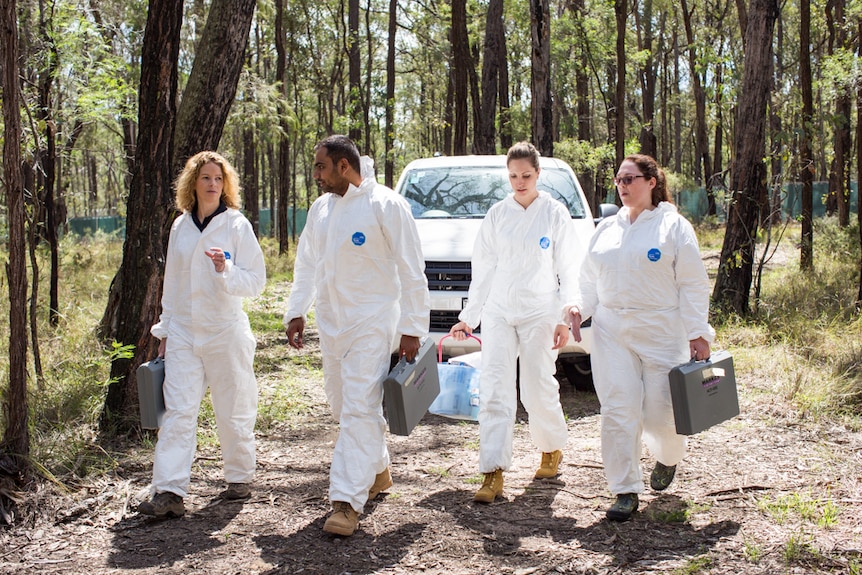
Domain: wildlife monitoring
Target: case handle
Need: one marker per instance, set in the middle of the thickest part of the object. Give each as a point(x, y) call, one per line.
point(440, 345)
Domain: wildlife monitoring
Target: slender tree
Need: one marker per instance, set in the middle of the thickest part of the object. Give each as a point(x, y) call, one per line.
point(389, 135)
point(494, 56)
point(748, 184)
point(354, 66)
point(806, 160)
point(460, 76)
point(16, 437)
point(135, 295)
point(542, 105)
point(619, 105)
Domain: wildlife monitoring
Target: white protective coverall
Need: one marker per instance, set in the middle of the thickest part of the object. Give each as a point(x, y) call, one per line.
point(518, 257)
point(210, 343)
point(359, 259)
point(646, 288)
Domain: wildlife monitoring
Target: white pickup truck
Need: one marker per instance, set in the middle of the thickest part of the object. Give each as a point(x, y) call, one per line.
point(449, 197)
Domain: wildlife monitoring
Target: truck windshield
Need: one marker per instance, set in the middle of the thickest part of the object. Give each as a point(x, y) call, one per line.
point(470, 191)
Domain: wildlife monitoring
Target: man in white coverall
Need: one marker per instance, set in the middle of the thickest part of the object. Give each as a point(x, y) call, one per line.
point(213, 262)
point(359, 257)
point(645, 286)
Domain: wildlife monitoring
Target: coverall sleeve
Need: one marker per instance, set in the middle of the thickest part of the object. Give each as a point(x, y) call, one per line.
point(169, 289)
point(303, 291)
point(399, 228)
point(483, 263)
point(565, 263)
point(693, 284)
point(244, 274)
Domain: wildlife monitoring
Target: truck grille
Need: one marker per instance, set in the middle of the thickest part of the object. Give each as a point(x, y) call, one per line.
point(448, 276)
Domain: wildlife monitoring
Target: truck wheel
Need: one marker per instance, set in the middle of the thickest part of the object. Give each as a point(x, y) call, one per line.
point(579, 372)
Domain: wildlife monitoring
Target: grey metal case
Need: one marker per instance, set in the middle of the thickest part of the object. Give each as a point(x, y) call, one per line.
point(703, 393)
point(410, 388)
point(151, 377)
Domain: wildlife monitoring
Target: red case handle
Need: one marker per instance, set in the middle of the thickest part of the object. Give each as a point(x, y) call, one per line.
point(440, 345)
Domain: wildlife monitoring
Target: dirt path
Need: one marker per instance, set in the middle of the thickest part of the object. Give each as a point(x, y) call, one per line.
point(768, 492)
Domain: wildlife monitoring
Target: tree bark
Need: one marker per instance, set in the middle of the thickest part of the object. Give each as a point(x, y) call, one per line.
point(16, 437)
point(702, 164)
point(283, 163)
point(540, 77)
point(135, 296)
point(748, 184)
point(460, 61)
point(806, 159)
point(621, 13)
point(250, 179)
point(354, 73)
point(486, 137)
point(648, 83)
point(389, 136)
point(212, 83)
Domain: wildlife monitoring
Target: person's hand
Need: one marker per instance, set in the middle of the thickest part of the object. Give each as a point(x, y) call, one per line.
point(698, 348)
point(294, 330)
point(163, 344)
point(218, 258)
point(575, 321)
point(460, 331)
point(409, 347)
point(561, 336)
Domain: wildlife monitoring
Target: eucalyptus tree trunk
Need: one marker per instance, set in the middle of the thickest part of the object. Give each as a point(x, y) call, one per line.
point(647, 75)
point(16, 436)
point(251, 196)
point(540, 77)
point(806, 159)
point(460, 61)
point(212, 84)
point(135, 294)
point(621, 13)
point(167, 138)
point(486, 138)
point(702, 164)
point(354, 74)
point(389, 135)
point(859, 167)
point(283, 163)
point(748, 184)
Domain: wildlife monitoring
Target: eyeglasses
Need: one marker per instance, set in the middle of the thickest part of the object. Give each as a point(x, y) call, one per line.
point(626, 180)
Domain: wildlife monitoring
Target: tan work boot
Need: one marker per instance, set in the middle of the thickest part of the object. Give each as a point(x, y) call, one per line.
point(236, 491)
point(343, 521)
point(164, 504)
point(492, 487)
point(382, 482)
point(550, 466)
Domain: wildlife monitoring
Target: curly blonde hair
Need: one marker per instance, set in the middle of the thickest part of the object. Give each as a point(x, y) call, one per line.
point(185, 182)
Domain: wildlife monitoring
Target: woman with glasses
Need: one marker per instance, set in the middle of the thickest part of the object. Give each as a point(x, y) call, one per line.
point(645, 286)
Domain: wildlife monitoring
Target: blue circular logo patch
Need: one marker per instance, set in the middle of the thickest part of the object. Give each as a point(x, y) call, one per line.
point(358, 239)
point(545, 242)
point(654, 255)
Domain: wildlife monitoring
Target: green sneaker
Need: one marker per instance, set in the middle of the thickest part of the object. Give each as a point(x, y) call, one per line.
point(661, 476)
point(623, 507)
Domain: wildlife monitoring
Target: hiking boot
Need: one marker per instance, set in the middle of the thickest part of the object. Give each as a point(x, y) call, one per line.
point(343, 521)
point(236, 491)
point(550, 466)
point(623, 507)
point(661, 476)
point(492, 487)
point(164, 504)
point(382, 482)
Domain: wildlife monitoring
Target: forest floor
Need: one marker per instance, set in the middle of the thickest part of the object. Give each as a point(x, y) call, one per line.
point(770, 491)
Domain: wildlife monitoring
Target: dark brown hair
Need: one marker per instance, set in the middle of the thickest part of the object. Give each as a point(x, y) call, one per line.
point(650, 169)
point(524, 151)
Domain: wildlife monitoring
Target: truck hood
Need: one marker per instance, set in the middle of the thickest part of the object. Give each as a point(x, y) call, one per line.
point(448, 239)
